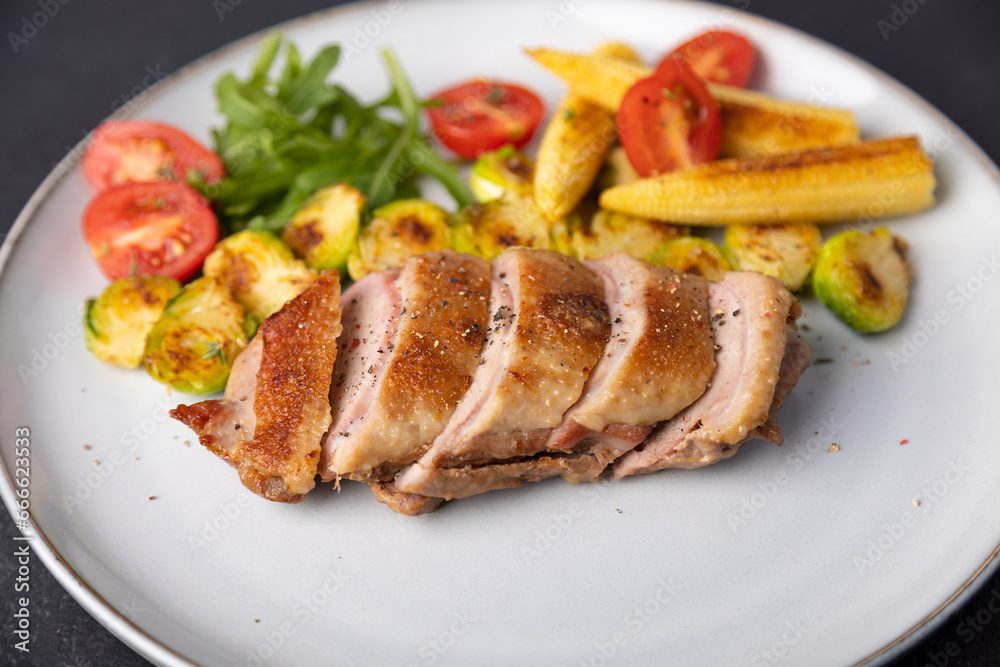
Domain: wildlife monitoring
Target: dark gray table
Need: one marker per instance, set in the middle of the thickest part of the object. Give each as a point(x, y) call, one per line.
point(946, 51)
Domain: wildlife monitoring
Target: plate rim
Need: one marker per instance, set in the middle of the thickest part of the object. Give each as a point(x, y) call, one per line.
point(158, 652)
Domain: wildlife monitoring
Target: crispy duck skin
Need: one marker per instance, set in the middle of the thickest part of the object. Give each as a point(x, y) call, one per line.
point(759, 358)
point(548, 330)
point(425, 365)
point(657, 361)
point(276, 445)
point(684, 448)
point(548, 327)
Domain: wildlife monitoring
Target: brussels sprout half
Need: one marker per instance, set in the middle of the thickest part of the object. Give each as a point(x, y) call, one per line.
point(785, 252)
point(259, 270)
point(864, 278)
point(322, 232)
point(498, 172)
point(692, 254)
point(397, 232)
point(117, 322)
point(486, 230)
point(193, 344)
point(610, 232)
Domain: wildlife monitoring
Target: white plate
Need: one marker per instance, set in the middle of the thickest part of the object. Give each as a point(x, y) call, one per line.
point(822, 557)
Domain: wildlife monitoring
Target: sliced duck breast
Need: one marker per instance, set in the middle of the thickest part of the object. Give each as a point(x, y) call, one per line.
point(371, 316)
point(657, 361)
point(276, 445)
point(751, 314)
point(410, 347)
point(548, 328)
point(465, 481)
point(409, 504)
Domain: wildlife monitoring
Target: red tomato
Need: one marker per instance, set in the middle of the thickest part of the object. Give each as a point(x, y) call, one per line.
point(719, 56)
point(164, 228)
point(669, 121)
point(481, 116)
point(139, 151)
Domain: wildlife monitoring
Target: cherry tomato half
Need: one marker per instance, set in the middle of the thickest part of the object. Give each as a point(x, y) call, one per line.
point(481, 116)
point(719, 56)
point(139, 151)
point(164, 228)
point(669, 121)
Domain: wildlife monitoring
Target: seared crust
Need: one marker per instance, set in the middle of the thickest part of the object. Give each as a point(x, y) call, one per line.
point(551, 337)
point(208, 419)
point(429, 368)
point(759, 352)
point(660, 354)
point(681, 364)
point(284, 374)
point(293, 384)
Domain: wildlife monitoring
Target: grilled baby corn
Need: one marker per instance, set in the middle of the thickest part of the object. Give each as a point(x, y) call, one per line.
point(869, 180)
point(574, 145)
point(755, 124)
point(752, 123)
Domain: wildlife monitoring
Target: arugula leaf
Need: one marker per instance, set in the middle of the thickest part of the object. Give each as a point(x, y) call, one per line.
point(382, 187)
point(287, 136)
point(268, 50)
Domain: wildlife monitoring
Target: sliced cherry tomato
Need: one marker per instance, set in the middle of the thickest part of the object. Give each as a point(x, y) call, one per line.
point(139, 151)
point(719, 56)
point(164, 228)
point(669, 121)
point(481, 116)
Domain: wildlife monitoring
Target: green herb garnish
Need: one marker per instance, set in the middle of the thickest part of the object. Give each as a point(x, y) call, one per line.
point(214, 350)
point(286, 137)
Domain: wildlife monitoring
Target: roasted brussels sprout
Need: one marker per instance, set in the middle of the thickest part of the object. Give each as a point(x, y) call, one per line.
point(193, 344)
point(864, 278)
point(610, 232)
point(322, 232)
point(785, 252)
point(259, 270)
point(617, 170)
point(500, 171)
point(397, 232)
point(692, 254)
point(117, 322)
point(486, 230)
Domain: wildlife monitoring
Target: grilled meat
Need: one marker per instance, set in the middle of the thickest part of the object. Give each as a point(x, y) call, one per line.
point(548, 329)
point(455, 376)
point(276, 444)
point(752, 315)
point(407, 356)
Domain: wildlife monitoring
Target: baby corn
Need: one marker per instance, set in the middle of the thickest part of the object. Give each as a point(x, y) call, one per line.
point(752, 123)
point(600, 79)
point(573, 147)
point(755, 124)
point(868, 180)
